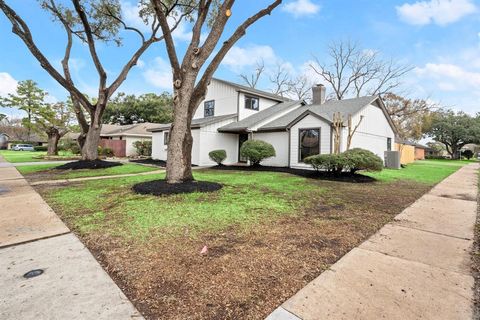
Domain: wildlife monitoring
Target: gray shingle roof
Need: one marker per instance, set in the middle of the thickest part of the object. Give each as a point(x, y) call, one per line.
point(326, 110)
point(130, 129)
point(258, 117)
point(254, 91)
point(196, 123)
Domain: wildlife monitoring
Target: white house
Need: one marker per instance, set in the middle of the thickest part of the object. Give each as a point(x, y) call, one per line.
point(232, 114)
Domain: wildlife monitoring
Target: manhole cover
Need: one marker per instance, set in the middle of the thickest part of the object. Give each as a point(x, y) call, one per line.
point(33, 273)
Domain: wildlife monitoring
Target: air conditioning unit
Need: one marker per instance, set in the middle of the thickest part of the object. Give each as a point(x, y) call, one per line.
point(392, 159)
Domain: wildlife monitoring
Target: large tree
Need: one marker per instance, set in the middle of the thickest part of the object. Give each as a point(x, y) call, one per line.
point(352, 71)
point(150, 107)
point(455, 130)
point(92, 22)
point(53, 119)
point(412, 117)
point(189, 83)
point(28, 98)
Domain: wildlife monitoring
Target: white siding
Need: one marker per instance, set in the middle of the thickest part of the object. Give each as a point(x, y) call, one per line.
point(225, 97)
point(211, 139)
point(159, 149)
point(307, 123)
point(279, 140)
point(373, 132)
point(130, 149)
point(263, 104)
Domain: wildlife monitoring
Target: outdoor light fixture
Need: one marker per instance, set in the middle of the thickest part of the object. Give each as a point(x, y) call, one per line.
point(228, 13)
point(33, 273)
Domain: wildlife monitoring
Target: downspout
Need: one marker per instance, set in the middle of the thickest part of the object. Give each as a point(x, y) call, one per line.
point(289, 147)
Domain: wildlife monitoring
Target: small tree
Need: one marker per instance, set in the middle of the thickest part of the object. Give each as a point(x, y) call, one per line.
point(143, 148)
point(256, 151)
point(218, 156)
point(28, 98)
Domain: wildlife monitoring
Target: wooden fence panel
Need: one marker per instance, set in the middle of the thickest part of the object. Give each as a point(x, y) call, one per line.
point(119, 147)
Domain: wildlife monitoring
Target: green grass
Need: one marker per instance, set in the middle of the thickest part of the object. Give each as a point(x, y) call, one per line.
point(71, 174)
point(424, 171)
point(245, 198)
point(27, 156)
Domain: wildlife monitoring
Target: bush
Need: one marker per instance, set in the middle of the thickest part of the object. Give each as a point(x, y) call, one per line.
point(328, 162)
point(434, 157)
point(40, 148)
point(467, 154)
point(107, 152)
point(69, 145)
point(143, 148)
point(218, 156)
point(256, 151)
point(361, 159)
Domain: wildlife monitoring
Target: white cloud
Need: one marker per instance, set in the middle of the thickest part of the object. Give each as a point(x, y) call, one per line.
point(159, 74)
point(450, 77)
point(130, 13)
point(301, 8)
point(238, 58)
point(7, 84)
point(441, 12)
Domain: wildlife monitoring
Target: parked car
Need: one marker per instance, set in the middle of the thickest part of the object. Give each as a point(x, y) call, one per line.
point(23, 147)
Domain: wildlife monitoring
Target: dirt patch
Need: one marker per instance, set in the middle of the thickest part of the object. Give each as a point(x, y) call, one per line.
point(248, 271)
point(162, 188)
point(88, 164)
point(312, 174)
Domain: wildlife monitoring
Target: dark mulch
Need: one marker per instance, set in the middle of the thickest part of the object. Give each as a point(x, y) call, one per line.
point(161, 187)
point(312, 174)
point(88, 164)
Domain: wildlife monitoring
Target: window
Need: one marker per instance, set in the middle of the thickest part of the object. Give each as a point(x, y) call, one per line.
point(209, 108)
point(389, 144)
point(165, 138)
point(309, 143)
point(251, 103)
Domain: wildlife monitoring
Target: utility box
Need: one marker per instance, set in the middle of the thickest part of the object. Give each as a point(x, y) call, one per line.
point(392, 159)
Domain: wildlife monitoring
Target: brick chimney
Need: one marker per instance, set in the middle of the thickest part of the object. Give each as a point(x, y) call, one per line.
point(318, 94)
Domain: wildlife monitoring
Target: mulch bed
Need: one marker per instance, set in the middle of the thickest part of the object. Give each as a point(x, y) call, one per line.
point(159, 163)
point(312, 174)
point(161, 187)
point(88, 164)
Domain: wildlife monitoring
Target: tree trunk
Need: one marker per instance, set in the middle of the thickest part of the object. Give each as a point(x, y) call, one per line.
point(454, 153)
point(53, 136)
point(179, 153)
point(92, 138)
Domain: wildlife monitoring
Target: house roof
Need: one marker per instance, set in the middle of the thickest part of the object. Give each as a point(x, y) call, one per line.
point(196, 123)
point(244, 124)
point(326, 111)
point(253, 91)
point(410, 143)
point(137, 129)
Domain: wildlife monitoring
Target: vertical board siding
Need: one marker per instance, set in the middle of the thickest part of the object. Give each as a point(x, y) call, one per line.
point(279, 141)
point(309, 122)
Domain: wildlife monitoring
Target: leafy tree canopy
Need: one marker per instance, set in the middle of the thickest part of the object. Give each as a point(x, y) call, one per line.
point(128, 109)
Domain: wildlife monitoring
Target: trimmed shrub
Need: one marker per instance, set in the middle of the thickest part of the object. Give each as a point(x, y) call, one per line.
point(256, 151)
point(107, 152)
point(69, 145)
point(143, 148)
point(467, 154)
point(40, 148)
point(218, 156)
point(334, 163)
point(361, 159)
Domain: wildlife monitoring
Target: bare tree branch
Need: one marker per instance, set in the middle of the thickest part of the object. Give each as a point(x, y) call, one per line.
point(252, 79)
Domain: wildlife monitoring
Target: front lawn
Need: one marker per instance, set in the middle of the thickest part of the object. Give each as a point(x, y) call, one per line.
point(28, 156)
point(425, 171)
point(268, 234)
point(46, 171)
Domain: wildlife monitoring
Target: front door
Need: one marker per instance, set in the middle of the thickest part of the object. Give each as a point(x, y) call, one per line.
point(241, 139)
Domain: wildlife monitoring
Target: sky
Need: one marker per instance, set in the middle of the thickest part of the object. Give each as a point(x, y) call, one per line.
point(439, 39)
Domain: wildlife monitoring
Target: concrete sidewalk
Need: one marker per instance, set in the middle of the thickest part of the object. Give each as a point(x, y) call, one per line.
point(417, 267)
point(73, 284)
